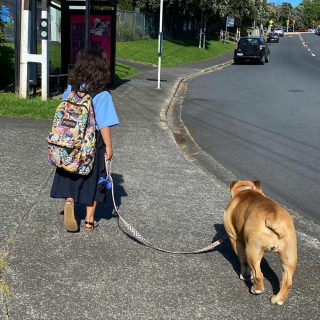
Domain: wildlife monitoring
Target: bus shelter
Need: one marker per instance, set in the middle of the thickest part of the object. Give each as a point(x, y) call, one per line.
point(84, 24)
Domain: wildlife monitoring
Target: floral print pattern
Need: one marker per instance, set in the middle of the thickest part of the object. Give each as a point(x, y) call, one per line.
point(72, 138)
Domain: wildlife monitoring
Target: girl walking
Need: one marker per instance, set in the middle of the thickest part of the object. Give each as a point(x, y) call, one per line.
point(90, 74)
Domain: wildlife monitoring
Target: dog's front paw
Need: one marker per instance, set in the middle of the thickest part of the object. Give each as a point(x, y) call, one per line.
point(255, 291)
point(246, 277)
point(275, 300)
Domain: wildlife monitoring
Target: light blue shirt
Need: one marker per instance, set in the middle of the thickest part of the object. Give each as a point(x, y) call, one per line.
point(104, 110)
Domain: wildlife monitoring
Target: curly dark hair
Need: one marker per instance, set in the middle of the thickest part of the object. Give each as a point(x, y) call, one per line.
point(91, 70)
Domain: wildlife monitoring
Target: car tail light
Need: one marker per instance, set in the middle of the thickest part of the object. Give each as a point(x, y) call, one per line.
point(236, 46)
point(261, 46)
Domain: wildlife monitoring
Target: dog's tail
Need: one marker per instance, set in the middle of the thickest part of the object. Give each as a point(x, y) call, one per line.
point(274, 222)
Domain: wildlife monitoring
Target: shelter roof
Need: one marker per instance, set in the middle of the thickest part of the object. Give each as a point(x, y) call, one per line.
point(97, 2)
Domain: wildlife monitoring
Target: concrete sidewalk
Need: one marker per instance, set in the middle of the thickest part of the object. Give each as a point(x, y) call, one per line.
point(104, 274)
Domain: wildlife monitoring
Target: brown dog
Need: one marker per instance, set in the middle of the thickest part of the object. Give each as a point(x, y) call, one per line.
point(256, 224)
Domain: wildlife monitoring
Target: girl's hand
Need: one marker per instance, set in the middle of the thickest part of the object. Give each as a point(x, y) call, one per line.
point(109, 153)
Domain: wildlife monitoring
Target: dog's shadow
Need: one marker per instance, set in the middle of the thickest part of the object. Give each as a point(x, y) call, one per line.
point(226, 250)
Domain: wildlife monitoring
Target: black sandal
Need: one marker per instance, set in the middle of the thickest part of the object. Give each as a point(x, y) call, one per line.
point(93, 225)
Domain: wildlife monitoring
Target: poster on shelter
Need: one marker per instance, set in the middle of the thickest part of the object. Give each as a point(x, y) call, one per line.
point(100, 34)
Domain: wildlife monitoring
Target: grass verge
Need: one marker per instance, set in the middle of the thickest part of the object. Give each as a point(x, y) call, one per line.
point(12, 105)
point(175, 52)
point(123, 71)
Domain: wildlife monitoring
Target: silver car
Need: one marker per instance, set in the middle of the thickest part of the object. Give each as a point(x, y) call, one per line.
point(279, 31)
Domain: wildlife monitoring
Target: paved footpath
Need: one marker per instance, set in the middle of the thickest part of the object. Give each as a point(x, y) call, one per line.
point(53, 274)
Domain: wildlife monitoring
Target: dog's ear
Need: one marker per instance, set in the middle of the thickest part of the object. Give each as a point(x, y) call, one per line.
point(257, 184)
point(232, 184)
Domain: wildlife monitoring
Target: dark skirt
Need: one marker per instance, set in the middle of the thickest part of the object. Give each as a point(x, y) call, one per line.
point(83, 189)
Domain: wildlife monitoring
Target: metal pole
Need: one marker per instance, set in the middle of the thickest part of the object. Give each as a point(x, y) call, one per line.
point(160, 43)
point(23, 73)
point(204, 32)
point(225, 33)
point(87, 25)
point(200, 37)
point(17, 39)
point(44, 56)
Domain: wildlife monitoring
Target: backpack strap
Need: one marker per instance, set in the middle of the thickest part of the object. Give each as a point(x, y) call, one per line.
point(92, 94)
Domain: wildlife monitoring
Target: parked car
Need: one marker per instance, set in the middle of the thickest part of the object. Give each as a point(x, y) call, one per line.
point(302, 30)
point(279, 31)
point(251, 49)
point(272, 37)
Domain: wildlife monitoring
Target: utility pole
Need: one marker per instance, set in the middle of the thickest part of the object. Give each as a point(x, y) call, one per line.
point(160, 44)
point(293, 22)
point(200, 36)
point(204, 32)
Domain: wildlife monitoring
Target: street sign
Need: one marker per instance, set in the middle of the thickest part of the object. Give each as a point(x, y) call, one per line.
point(230, 22)
point(288, 22)
point(271, 22)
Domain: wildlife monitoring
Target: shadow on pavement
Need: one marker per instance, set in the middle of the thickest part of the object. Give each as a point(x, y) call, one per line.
point(227, 252)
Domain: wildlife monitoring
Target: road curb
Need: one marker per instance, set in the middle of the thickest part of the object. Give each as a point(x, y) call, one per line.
point(170, 117)
point(167, 103)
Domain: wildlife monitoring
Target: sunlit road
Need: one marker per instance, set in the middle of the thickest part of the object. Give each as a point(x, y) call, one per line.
point(263, 121)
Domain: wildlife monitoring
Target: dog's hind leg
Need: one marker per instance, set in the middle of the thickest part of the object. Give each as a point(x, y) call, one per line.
point(239, 248)
point(254, 257)
point(289, 263)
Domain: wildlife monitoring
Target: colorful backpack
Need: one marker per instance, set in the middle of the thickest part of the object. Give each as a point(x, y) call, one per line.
point(72, 139)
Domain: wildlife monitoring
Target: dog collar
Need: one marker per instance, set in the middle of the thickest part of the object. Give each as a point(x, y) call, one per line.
point(246, 188)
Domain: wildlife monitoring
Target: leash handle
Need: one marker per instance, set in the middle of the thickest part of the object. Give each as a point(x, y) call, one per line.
point(138, 236)
point(108, 164)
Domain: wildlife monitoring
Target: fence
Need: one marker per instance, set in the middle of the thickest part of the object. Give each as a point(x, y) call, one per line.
point(130, 25)
point(173, 27)
point(134, 26)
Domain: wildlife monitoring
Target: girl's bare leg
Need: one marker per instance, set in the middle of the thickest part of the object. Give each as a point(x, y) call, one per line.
point(91, 208)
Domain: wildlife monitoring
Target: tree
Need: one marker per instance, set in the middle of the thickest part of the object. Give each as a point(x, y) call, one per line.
point(2, 35)
point(127, 5)
point(284, 12)
point(310, 11)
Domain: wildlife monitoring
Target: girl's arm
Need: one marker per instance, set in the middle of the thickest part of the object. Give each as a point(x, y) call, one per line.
point(106, 136)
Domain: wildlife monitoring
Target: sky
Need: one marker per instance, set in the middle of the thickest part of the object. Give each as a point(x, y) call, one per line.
point(294, 3)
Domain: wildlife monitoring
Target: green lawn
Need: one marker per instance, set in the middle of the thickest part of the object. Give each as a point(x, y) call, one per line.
point(175, 52)
point(12, 105)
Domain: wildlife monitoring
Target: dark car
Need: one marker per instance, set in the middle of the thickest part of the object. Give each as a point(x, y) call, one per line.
point(272, 37)
point(251, 49)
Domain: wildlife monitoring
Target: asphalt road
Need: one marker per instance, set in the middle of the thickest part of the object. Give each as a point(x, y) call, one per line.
point(262, 121)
